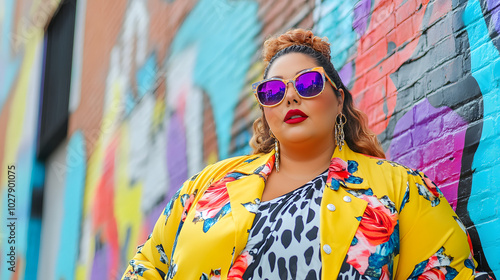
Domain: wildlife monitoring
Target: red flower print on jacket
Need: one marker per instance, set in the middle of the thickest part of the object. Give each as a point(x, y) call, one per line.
point(433, 274)
point(240, 266)
point(214, 198)
point(340, 173)
point(267, 168)
point(214, 204)
point(437, 267)
point(385, 273)
point(432, 187)
point(428, 189)
point(377, 225)
point(186, 202)
point(214, 275)
point(375, 242)
point(337, 170)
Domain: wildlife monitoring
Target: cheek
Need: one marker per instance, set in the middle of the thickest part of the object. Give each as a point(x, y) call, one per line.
point(328, 108)
point(271, 115)
point(327, 111)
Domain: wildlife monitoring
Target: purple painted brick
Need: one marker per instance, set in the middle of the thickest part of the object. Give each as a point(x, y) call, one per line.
point(412, 159)
point(425, 111)
point(435, 127)
point(494, 8)
point(449, 191)
point(444, 144)
point(402, 143)
point(361, 16)
point(438, 135)
point(176, 154)
point(346, 73)
point(405, 123)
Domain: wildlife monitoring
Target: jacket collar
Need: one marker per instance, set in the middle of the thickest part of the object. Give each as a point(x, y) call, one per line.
point(263, 164)
point(244, 199)
point(257, 164)
point(357, 179)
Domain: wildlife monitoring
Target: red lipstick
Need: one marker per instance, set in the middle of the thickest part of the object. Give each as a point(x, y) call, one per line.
point(295, 116)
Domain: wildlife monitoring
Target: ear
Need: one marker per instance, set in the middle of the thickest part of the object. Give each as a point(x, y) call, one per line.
point(341, 99)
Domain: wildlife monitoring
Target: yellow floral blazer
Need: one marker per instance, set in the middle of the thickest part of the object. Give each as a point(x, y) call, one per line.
point(386, 220)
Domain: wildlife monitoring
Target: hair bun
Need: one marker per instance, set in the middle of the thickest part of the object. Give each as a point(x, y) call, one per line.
point(292, 37)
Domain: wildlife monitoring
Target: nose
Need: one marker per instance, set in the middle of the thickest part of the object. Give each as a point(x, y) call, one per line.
point(291, 95)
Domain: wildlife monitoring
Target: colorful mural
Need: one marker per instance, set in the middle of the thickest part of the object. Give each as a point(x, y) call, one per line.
point(485, 68)
point(21, 52)
point(410, 75)
point(173, 88)
point(73, 204)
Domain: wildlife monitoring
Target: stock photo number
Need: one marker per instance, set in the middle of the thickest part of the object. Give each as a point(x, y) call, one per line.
point(11, 217)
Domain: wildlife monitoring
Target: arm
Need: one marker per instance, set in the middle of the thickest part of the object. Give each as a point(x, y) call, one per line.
point(434, 242)
point(151, 260)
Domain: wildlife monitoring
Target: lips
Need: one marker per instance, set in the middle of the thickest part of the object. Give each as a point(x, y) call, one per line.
point(295, 116)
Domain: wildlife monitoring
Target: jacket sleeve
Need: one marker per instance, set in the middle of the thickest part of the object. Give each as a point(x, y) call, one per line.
point(434, 243)
point(151, 260)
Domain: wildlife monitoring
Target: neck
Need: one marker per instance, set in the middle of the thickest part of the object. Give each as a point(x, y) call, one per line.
point(305, 160)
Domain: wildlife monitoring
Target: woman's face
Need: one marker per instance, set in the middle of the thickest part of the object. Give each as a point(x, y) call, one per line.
point(317, 121)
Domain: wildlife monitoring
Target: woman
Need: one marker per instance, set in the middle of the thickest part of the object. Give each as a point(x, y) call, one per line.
point(315, 201)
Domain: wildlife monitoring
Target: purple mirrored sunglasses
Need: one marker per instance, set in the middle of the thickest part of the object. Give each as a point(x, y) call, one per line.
point(308, 83)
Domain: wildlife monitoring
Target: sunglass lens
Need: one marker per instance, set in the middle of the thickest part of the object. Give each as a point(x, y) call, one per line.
point(271, 92)
point(309, 84)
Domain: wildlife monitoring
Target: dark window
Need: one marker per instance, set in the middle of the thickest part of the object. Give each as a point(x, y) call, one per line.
point(56, 79)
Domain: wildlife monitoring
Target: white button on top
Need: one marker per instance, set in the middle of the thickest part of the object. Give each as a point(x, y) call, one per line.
point(331, 207)
point(327, 249)
point(347, 198)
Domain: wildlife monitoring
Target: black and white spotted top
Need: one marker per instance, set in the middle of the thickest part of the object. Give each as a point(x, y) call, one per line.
point(284, 240)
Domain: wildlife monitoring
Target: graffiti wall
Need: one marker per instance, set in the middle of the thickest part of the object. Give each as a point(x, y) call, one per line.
point(161, 89)
point(21, 54)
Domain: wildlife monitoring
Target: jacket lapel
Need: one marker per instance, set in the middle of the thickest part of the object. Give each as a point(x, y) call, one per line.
point(243, 200)
point(244, 196)
point(338, 227)
point(352, 159)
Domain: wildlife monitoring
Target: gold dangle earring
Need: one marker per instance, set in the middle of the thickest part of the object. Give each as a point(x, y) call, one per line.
point(339, 130)
point(276, 152)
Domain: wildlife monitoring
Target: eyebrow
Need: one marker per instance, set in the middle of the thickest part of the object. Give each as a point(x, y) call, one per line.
point(279, 76)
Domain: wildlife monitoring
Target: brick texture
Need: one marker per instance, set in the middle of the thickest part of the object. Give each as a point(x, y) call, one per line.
point(165, 90)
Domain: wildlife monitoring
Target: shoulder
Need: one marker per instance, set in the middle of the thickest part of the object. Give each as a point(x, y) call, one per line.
point(384, 177)
point(383, 167)
point(243, 164)
point(234, 163)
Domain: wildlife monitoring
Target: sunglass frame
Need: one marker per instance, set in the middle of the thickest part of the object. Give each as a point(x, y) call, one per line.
point(318, 69)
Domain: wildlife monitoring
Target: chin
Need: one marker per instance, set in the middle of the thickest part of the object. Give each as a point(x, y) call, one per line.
point(305, 136)
point(297, 138)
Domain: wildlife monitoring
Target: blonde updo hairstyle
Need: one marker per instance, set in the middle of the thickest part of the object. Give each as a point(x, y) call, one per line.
point(357, 134)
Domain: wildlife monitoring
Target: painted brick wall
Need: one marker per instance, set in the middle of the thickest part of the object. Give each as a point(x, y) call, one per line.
point(21, 44)
point(162, 88)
